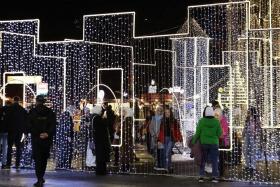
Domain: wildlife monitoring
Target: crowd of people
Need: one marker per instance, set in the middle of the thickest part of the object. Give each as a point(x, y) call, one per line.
point(162, 132)
point(16, 123)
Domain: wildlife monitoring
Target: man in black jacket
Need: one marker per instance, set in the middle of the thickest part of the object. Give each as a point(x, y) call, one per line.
point(16, 117)
point(42, 126)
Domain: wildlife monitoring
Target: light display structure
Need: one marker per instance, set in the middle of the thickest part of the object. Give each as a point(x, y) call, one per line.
point(84, 58)
point(190, 72)
point(244, 36)
point(18, 43)
point(234, 51)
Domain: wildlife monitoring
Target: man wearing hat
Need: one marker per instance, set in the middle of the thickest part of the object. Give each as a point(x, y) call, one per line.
point(42, 126)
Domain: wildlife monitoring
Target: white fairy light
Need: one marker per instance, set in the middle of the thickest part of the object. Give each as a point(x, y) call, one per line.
point(226, 46)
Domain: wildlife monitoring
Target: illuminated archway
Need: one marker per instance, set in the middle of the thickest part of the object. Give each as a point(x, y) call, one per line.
point(3, 96)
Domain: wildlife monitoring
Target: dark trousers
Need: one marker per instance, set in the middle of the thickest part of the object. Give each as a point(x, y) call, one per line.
point(40, 153)
point(209, 151)
point(40, 166)
point(102, 157)
point(148, 139)
point(221, 163)
point(161, 158)
point(117, 155)
point(101, 168)
point(14, 138)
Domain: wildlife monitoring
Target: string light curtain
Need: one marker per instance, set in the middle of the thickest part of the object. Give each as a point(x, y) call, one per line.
point(244, 36)
point(18, 41)
point(227, 54)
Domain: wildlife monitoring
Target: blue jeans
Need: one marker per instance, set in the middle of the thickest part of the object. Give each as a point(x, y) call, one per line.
point(160, 157)
point(4, 143)
point(209, 152)
point(168, 145)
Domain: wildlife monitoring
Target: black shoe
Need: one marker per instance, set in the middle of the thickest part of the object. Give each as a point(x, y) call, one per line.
point(116, 164)
point(170, 170)
point(39, 183)
point(5, 167)
point(101, 173)
point(17, 168)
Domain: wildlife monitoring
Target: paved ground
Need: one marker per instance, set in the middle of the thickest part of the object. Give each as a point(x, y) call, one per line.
point(84, 179)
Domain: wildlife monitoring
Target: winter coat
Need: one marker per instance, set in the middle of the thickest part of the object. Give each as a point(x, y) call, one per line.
point(208, 131)
point(41, 120)
point(154, 126)
point(175, 131)
point(225, 129)
point(111, 118)
point(154, 129)
point(16, 118)
point(101, 139)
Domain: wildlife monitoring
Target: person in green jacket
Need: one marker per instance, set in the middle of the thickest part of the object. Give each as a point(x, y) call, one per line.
point(208, 132)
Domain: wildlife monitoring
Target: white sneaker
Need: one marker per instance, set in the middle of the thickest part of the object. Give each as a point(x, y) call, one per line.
point(156, 168)
point(200, 179)
point(214, 180)
point(159, 169)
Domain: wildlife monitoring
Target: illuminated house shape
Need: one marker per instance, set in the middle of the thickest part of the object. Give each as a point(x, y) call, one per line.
point(18, 46)
point(239, 88)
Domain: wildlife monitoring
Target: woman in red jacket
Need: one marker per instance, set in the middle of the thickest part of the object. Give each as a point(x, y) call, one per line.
point(168, 135)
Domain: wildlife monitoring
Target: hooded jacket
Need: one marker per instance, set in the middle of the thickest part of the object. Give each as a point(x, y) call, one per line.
point(208, 131)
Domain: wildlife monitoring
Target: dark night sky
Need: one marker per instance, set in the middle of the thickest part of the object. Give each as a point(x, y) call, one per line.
point(63, 18)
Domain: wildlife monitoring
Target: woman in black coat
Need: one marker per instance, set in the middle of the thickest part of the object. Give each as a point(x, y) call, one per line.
point(101, 139)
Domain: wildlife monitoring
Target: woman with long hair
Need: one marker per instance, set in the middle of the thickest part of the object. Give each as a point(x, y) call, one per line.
point(168, 135)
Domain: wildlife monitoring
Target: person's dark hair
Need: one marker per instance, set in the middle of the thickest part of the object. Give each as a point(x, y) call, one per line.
point(215, 104)
point(8, 103)
point(203, 115)
point(171, 113)
point(16, 99)
point(152, 112)
point(40, 99)
point(149, 113)
point(253, 112)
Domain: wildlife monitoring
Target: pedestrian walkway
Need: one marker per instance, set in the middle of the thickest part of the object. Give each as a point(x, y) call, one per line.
point(26, 178)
